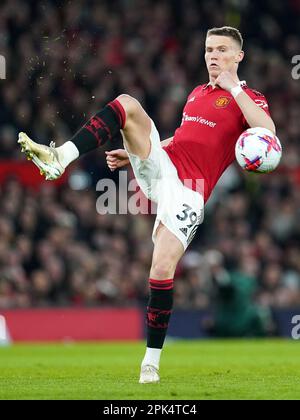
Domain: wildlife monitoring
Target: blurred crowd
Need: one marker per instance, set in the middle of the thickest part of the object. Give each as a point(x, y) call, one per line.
point(65, 59)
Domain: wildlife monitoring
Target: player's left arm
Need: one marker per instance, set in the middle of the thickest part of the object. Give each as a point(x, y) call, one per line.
point(254, 113)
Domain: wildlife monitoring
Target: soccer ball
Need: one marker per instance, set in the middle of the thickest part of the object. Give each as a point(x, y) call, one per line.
point(258, 150)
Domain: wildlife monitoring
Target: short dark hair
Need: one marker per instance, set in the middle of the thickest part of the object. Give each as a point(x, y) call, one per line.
point(227, 31)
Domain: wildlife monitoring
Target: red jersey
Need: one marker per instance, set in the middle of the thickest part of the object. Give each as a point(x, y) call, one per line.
point(204, 145)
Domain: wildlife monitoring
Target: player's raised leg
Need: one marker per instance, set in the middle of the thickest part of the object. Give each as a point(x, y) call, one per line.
point(124, 113)
point(167, 252)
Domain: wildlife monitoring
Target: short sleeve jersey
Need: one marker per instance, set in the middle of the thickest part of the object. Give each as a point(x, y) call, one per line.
point(204, 145)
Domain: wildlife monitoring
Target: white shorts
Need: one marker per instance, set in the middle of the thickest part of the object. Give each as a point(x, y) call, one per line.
point(179, 208)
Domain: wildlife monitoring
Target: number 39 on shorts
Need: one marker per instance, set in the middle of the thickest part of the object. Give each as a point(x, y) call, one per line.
point(189, 216)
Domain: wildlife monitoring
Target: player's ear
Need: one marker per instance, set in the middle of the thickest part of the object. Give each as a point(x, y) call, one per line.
point(239, 57)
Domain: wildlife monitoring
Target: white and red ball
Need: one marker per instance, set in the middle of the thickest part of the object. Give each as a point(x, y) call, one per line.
point(258, 150)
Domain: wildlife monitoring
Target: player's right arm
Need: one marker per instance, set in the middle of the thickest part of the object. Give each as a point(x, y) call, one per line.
point(118, 158)
point(252, 110)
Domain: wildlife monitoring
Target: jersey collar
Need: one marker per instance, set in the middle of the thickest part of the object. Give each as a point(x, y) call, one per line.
point(241, 83)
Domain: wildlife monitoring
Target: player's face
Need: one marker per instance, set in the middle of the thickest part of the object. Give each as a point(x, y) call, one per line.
point(222, 53)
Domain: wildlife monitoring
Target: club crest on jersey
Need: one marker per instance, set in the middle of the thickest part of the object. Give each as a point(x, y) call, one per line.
point(222, 102)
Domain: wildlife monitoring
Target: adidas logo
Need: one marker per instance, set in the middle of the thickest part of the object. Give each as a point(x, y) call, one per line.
point(184, 231)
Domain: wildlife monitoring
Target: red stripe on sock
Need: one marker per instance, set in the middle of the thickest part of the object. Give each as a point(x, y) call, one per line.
point(161, 281)
point(162, 288)
point(161, 284)
point(159, 311)
point(118, 108)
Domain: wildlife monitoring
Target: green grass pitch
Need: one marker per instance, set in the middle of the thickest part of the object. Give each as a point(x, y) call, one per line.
point(268, 369)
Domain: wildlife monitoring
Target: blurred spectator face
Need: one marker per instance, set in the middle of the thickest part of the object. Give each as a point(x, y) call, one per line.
point(272, 276)
point(55, 269)
point(8, 142)
point(28, 221)
point(6, 229)
point(222, 53)
point(40, 283)
point(250, 266)
point(24, 246)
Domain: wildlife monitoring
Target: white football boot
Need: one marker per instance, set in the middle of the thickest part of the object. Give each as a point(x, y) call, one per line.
point(44, 157)
point(149, 375)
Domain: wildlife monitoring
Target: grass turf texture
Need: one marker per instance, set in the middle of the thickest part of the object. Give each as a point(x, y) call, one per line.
point(267, 369)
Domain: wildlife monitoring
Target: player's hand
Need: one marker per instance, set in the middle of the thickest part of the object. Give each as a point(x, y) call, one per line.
point(226, 81)
point(116, 159)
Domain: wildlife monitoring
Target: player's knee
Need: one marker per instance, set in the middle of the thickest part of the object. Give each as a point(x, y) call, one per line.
point(131, 106)
point(163, 269)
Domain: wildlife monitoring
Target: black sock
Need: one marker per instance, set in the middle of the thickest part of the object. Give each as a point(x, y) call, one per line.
point(159, 311)
point(103, 126)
